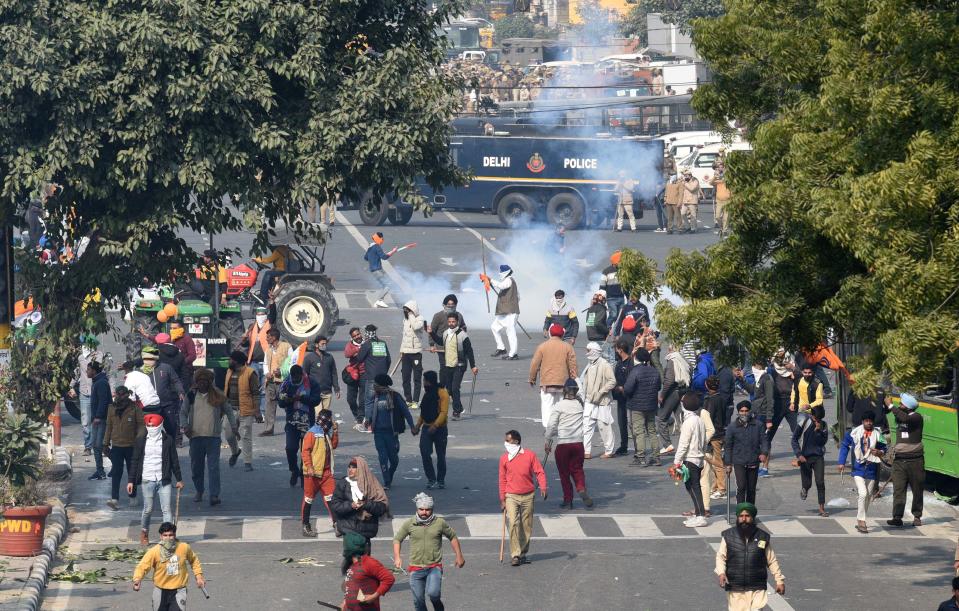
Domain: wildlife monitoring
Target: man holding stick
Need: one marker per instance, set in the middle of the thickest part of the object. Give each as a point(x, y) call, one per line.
point(517, 469)
point(507, 311)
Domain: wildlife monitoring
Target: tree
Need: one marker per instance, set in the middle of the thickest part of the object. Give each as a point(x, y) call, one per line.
point(147, 113)
point(682, 13)
point(517, 25)
point(844, 215)
point(597, 23)
point(633, 24)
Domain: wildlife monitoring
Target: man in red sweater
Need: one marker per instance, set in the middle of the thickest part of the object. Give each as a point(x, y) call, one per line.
point(517, 467)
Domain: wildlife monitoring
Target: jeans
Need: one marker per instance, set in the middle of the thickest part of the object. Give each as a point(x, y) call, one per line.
point(258, 368)
point(118, 458)
point(85, 420)
point(367, 396)
point(452, 379)
point(294, 441)
point(205, 451)
point(660, 213)
point(694, 489)
point(171, 418)
point(427, 582)
point(412, 370)
point(777, 420)
point(381, 279)
point(814, 465)
point(99, 429)
point(268, 276)
point(666, 411)
point(622, 417)
point(164, 492)
point(353, 400)
point(644, 434)
point(824, 379)
point(746, 478)
point(614, 305)
point(428, 441)
point(388, 449)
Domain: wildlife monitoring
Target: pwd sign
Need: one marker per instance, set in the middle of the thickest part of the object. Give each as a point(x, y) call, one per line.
point(20, 526)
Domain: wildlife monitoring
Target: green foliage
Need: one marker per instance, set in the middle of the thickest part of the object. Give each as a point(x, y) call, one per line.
point(20, 439)
point(682, 13)
point(517, 25)
point(633, 24)
point(844, 215)
point(597, 23)
point(638, 274)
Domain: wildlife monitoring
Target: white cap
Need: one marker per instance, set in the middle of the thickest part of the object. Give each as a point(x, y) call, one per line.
point(423, 501)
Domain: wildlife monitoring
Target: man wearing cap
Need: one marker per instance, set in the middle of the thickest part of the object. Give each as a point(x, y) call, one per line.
point(562, 314)
point(388, 415)
point(256, 345)
point(565, 427)
point(169, 388)
point(908, 459)
point(438, 326)
point(598, 383)
point(155, 468)
point(519, 473)
point(242, 388)
point(203, 424)
point(426, 531)
point(744, 560)
point(458, 355)
point(867, 447)
point(609, 282)
point(553, 363)
point(624, 205)
point(507, 311)
point(375, 257)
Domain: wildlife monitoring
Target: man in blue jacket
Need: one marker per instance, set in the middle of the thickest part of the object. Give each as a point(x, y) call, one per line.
point(388, 415)
point(375, 257)
point(867, 446)
point(100, 400)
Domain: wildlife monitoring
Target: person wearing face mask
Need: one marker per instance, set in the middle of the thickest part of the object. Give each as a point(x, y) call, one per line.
point(762, 392)
point(437, 326)
point(168, 560)
point(203, 425)
point(318, 445)
point(596, 314)
point(433, 413)
point(168, 388)
point(744, 560)
point(242, 387)
point(276, 353)
point(124, 425)
point(256, 344)
point(458, 352)
point(426, 531)
point(375, 357)
point(565, 427)
point(353, 378)
point(784, 380)
point(411, 352)
point(388, 416)
point(294, 398)
point(744, 449)
point(867, 447)
point(155, 468)
point(519, 473)
point(507, 311)
point(809, 445)
point(561, 313)
point(320, 367)
point(598, 382)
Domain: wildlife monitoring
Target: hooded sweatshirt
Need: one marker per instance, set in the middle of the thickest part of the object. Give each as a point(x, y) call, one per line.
point(565, 424)
point(414, 330)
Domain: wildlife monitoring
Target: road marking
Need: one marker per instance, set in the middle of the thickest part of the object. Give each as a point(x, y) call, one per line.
point(387, 266)
point(475, 233)
point(775, 602)
point(262, 529)
point(485, 525)
point(193, 528)
point(105, 534)
point(637, 527)
point(562, 527)
point(785, 527)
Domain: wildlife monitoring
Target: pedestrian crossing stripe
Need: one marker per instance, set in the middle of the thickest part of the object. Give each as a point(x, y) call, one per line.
point(490, 526)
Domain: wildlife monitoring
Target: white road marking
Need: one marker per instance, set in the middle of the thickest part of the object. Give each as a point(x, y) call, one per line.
point(485, 525)
point(262, 529)
point(775, 602)
point(192, 528)
point(475, 233)
point(387, 266)
point(638, 527)
point(565, 527)
point(785, 527)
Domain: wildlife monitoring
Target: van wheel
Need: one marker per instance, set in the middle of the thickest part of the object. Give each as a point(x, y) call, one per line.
point(373, 210)
point(515, 210)
point(400, 216)
point(566, 209)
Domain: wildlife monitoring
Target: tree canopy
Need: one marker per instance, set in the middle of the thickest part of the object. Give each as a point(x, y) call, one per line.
point(149, 112)
point(844, 215)
point(681, 13)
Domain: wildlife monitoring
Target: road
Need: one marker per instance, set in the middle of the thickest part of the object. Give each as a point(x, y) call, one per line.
point(630, 551)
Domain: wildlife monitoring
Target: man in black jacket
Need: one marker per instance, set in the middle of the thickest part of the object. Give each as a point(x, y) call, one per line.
point(374, 356)
point(809, 445)
point(744, 449)
point(642, 399)
point(437, 326)
point(358, 501)
point(457, 355)
point(596, 328)
point(166, 382)
point(743, 562)
point(320, 367)
point(624, 362)
point(155, 467)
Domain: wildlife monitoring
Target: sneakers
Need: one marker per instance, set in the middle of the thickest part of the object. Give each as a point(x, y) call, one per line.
point(763, 472)
point(499, 352)
point(897, 522)
point(247, 467)
point(359, 428)
point(113, 504)
point(441, 485)
point(380, 304)
point(294, 477)
point(430, 485)
point(87, 451)
point(696, 522)
point(659, 230)
point(512, 357)
point(267, 433)
point(638, 462)
point(214, 501)
point(198, 497)
point(308, 531)
point(719, 494)
point(233, 458)
point(456, 415)
point(97, 475)
point(413, 404)
point(514, 561)
point(622, 452)
point(654, 462)
point(565, 505)
point(667, 450)
point(586, 499)
point(803, 493)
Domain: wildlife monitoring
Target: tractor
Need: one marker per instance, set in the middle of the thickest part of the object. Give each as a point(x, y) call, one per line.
point(302, 302)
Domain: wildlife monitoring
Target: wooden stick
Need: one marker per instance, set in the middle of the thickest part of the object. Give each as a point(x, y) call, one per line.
point(483, 247)
point(502, 541)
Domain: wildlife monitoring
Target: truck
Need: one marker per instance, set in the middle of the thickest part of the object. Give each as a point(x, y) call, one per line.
point(565, 181)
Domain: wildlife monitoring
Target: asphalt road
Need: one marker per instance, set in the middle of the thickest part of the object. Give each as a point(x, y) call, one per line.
point(630, 551)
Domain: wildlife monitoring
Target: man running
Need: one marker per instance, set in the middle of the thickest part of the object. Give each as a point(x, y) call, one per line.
point(426, 531)
point(168, 560)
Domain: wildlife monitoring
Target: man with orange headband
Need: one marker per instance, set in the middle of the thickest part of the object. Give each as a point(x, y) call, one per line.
point(375, 257)
point(609, 282)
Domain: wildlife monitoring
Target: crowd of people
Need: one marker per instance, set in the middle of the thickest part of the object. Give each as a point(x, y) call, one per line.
point(671, 400)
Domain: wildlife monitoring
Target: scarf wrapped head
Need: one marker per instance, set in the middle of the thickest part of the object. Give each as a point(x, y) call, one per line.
point(748, 507)
point(354, 544)
point(370, 486)
point(325, 420)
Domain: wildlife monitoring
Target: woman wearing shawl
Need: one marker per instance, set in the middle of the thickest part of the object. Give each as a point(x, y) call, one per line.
point(366, 579)
point(359, 501)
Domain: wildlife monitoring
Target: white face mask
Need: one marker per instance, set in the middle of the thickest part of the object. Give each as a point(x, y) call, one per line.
point(261, 319)
point(154, 431)
point(512, 449)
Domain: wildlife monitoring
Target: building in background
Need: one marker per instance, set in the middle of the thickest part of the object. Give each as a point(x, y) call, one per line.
point(666, 39)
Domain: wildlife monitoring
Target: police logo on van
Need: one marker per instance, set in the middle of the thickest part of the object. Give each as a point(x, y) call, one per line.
point(536, 164)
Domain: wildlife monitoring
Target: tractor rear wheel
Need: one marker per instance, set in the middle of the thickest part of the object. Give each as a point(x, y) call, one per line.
point(231, 327)
point(133, 342)
point(305, 310)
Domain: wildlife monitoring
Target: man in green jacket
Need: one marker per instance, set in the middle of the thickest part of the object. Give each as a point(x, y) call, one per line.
point(426, 532)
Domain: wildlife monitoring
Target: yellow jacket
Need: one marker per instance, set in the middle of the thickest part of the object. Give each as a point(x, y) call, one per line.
point(277, 258)
point(444, 411)
point(800, 394)
point(152, 560)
